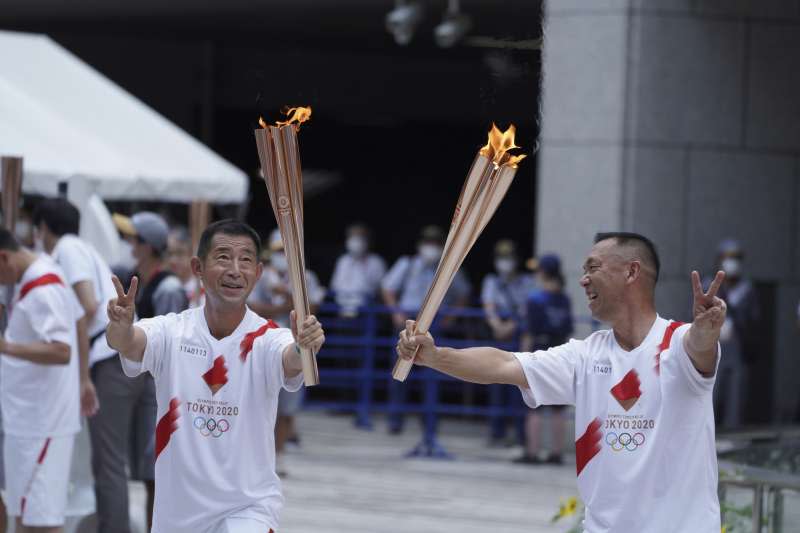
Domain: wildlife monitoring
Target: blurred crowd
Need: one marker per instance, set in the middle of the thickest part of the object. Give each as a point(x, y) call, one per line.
point(523, 300)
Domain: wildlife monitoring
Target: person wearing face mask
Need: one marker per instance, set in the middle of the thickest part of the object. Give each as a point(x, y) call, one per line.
point(179, 256)
point(503, 297)
point(272, 299)
point(739, 335)
point(358, 273)
point(404, 288)
point(504, 293)
point(405, 285)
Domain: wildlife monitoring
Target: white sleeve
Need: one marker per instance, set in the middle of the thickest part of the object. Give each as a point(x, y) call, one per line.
point(156, 330)
point(551, 374)
point(269, 348)
point(393, 281)
point(678, 355)
point(76, 264)
point(316, 293)
point(338, 274)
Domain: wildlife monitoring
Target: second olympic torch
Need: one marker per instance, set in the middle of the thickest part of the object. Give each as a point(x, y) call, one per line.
point(279, 155)
point(488, 181)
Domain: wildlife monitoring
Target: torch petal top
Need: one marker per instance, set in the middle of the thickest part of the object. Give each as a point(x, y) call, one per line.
point(499, 145)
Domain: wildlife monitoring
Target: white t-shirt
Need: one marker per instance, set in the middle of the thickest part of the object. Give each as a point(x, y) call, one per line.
point(215, 447)
point(356, 280)
point(644, 429)
point(81, 262)
point(41, 400)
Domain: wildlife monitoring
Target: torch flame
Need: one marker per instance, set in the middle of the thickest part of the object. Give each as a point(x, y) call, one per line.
point(499, 145)
point(296, 115)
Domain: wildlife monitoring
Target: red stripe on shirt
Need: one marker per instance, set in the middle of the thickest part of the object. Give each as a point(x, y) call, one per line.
point(167, 425)
point(665, 343)
point(249, 338)
point(588, 445)
point(47, 279)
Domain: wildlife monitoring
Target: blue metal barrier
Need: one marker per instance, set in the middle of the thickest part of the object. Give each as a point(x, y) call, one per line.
point(363, 347)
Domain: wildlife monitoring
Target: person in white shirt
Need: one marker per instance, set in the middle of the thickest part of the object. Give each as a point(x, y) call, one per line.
point(644, 422)
point(218, 370)
point(38, 387)
point(358, 273)
point(179, 261)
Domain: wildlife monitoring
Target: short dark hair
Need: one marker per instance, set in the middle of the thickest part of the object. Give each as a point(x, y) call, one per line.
point(8, 241)
point(228, 226)
point(640, 241)
point(59, 215)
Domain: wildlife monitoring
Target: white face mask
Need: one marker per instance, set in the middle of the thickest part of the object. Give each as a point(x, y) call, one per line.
point(430, 253)
point(278, 260)
point(505, 265)
point(356, 245)
point(23, 230)
point(732, 267)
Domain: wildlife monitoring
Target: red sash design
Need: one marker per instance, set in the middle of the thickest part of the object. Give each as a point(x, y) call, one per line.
point(665, 343)
point(588, 445)
point(249, 338)
point(46, 279)
point(167, 425)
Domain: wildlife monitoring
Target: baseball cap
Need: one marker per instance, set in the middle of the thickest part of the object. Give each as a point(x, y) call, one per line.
point(550, 264)
point(147, 226)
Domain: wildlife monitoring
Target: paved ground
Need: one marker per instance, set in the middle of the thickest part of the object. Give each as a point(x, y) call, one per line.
point(346, 480)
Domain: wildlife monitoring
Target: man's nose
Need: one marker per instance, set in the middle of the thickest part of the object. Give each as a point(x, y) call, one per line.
point(584, 280)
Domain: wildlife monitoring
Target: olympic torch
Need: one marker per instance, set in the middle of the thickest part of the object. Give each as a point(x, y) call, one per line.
point(487, 182)
point(279, 154)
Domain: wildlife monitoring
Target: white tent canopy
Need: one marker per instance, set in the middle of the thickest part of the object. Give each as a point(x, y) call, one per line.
point(71, 124)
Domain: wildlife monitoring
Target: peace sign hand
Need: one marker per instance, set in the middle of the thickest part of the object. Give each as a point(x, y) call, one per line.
point(708, 310)
point(122, 309)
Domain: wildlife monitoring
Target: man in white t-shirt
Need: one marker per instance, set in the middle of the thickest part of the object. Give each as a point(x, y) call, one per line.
point(644, 422)
point(218, 370)
point(38, 387)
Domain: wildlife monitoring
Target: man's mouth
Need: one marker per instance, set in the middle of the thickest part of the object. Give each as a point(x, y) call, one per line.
point(592, 296)
point(229, 285)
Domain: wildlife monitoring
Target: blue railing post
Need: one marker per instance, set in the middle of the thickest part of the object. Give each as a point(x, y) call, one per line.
point(367, 369)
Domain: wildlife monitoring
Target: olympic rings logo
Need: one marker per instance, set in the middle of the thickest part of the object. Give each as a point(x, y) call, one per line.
point(211, 427)
point(624, 441)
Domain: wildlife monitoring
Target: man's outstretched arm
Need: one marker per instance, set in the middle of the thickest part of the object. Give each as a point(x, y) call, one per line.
point(482, 365)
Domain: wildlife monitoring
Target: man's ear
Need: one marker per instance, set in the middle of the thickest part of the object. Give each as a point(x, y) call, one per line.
point(197, 266)
point(634, 271)
point(259, 269)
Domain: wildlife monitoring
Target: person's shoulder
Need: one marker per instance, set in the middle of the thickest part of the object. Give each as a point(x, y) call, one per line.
point(170, 282)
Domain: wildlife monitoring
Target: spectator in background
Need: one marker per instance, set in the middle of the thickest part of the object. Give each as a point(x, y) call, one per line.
point(504, 293)
point(179, 260)
point(272, 299)
point(39, 390)
point(56, 225)
point(358, 273)
point(407, 282)
point(739, 334)
point(549, 325)
point(404, 289)
point(130, 431)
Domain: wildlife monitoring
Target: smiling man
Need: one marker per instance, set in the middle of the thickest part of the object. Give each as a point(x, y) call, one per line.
point(644, 421)
point(218, 370)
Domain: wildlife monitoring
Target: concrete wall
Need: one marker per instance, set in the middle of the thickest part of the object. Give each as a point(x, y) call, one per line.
point(681, 120)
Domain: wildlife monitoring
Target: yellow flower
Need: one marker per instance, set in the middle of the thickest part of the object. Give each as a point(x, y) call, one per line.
point(568, 508)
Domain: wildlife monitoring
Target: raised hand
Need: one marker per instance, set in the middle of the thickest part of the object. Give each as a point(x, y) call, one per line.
point(708, 310)
point(122, 309)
